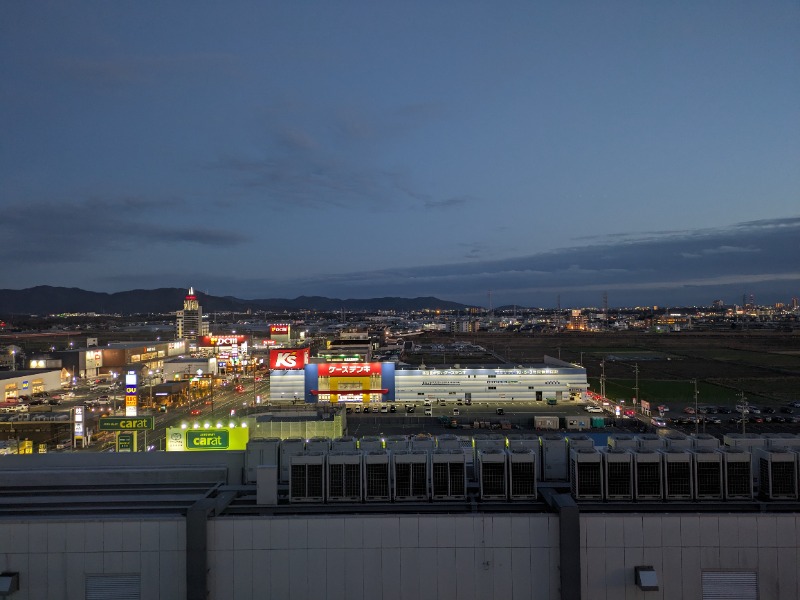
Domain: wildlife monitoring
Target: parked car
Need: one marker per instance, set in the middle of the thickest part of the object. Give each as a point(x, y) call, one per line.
point(779, 419)
point(500, 411)
point(456, 412)
point(723, 410)
point(787, 410)
point(689, 410)
point(768, 410)
point(410, 408)
point(593, 409)
point(392, 409)
point(428, 412)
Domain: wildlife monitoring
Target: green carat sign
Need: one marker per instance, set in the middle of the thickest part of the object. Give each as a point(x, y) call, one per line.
point(125, 423)
point(207, 440)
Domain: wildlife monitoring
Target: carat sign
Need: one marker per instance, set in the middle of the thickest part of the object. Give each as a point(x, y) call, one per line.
point(288, 359)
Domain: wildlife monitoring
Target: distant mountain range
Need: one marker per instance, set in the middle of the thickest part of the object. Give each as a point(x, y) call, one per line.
point(46, 300)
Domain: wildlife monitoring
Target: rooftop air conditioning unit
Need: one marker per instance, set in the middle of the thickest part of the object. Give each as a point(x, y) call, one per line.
point(397, 443)
point(704, 440)
point(318, 444)
point(748, 442)
point(708, 474)
point(345, 442)
point(523, 440)
point(260, 451)
point(522, 474)
point(618, 474)
point(344, 476)
point(289, 447)
point(622, 441)
point(778, 476)
point(492, 474)
point(781, 440)
point(586, 473)
point(306, 483)
point(555, 465)
point(483, 441)
point(376, 476)
point(737, 470)
point(676, 439)
point(410, 475)
point(647, 474)
point(423, 442)
point(448, 475)
point(368, 443)
point(448, 441)
point(677, 474)
point(651, 441)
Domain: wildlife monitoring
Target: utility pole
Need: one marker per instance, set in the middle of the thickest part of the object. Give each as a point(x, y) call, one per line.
point(636, 385)
point(697, 414)
point(745, 410)
point(603, 378)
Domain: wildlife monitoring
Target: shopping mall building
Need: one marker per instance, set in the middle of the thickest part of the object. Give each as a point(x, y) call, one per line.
point(293, 376)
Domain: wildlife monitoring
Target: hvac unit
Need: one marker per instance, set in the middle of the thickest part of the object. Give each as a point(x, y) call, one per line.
point(492, 474)
point(483, 441)
point(522, 474)
point(554, 458)
point(622, 441)
point(676, 439)
point(346, 442)
point(368, 443)
point(523, 440)
point(647, 474)
point(397, 443)
point(579, 440)
point(677, 464)
point(410, 475)
point(376, 476)
point(260, 451)
point(307, 477)
point(423, 442)
point(748, 442)
point(618, 474)
point(651, 441)
point(448, 475)
point(344, 476)
point(781, 440)
point(738, 473)
point(586, 473)
point(448, 441)
point(318, 444)
point(290, 447)
point(778, 474)
point(708, 474)
point(704, 440)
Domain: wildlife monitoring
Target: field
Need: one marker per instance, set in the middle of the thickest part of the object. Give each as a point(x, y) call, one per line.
point(763, 367)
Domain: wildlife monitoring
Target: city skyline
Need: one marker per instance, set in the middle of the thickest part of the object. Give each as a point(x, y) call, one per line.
point(544, 153)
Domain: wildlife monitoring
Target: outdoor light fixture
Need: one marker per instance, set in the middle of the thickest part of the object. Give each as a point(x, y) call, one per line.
point(646, 578)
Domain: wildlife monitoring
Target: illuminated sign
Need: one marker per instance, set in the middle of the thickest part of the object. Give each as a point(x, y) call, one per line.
point(207, 440)
point(125, 423)
point(348, 369)
point(279, 329)
point(202, 440)
point(288, 359)
point(215, 341)
point(131, 396)
point(77, 417)
point(126, 442)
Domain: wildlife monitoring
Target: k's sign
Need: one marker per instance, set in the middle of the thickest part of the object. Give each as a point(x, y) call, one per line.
point(288, 359)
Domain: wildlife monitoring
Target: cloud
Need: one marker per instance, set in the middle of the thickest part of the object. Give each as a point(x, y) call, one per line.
point(111, 72)
point(74, 231)
point(747, 254)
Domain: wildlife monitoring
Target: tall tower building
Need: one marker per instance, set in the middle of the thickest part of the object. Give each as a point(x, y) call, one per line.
point(189, 322)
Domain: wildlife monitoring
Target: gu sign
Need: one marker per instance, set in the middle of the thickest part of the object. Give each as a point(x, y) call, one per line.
point(288, 359)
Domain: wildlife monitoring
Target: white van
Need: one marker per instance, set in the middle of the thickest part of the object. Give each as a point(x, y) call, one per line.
point(426, 403)
point(429, 412)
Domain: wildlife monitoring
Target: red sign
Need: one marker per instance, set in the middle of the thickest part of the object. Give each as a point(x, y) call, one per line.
point(288, 359)
point(222, 340)
point(279, 330)
point(349, 369)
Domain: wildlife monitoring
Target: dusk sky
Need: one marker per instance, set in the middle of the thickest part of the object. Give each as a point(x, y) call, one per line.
point(540, 150)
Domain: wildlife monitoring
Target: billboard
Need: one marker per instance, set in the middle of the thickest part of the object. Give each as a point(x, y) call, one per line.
point(279, 330)
point(288, 359)
point(204, 440)
point(349, 369)
point(215, 341)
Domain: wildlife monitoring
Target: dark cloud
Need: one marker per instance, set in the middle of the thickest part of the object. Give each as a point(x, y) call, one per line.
point(747, 256)
point(74, 230)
